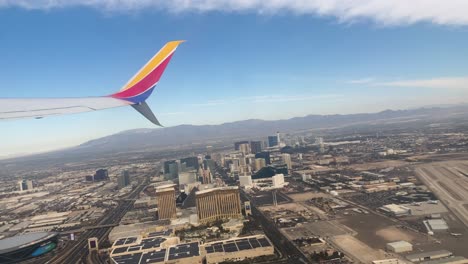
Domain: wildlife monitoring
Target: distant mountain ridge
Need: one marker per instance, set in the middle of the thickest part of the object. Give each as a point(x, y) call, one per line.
point(189, 134)
point(154, 140)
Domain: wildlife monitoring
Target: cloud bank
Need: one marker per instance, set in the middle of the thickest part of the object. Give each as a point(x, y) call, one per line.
point(385, 12)
point(438, 83)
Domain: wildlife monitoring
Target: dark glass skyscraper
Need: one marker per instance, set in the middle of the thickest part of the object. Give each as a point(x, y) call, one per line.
point(191, 162)
point(273, 141)
point(255, 147)
point(101, 175)
point(124, 179)
point(166, 165)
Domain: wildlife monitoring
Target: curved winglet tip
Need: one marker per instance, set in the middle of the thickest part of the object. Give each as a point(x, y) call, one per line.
point(177, 42)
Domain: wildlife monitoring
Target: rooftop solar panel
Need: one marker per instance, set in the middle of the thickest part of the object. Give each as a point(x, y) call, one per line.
point(120, 242)
point(184, 251)
point(264, 242)
point(218, 248)
point(231, 247)
point(154, 257)
point(244, 245)
point(254, 242)
point(125, 241)
point(136, 248)
point(131, 240)
point(152, 242)
point(128, 259)
point(119, 250)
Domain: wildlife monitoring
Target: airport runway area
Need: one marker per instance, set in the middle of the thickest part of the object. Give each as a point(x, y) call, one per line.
point(449, 181)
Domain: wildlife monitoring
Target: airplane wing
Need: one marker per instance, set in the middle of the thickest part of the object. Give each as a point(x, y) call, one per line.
point(134, 94)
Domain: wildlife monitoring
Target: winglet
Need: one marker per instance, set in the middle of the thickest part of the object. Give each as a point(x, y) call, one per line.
point(142, 84)
point(144, 109)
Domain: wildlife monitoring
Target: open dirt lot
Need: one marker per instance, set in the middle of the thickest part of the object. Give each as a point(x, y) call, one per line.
point(302, 197)
point(376, 231)
point(322, 228)
point(358, 250)
point(393, 233)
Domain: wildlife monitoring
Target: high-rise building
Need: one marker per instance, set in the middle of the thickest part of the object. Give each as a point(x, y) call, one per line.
point(273, 141)
point(25, 185)
point(124, 179)
point(237, 144)
point(244, 148)
point(264, 155)
point(218, 203)
point(260, 163)
point(166, 200)
point(101, 175)
point(166, 166)
point(173, 171)
point(209, 167)
point(286, 158)
point(255, 147)
point(190, 162)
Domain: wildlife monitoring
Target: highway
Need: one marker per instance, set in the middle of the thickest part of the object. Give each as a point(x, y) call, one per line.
point(77, 251)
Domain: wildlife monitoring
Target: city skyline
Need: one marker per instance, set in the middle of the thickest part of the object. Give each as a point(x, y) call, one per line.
point(237, 64)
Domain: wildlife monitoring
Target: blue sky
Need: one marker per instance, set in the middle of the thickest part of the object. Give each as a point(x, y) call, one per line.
point(238, 63)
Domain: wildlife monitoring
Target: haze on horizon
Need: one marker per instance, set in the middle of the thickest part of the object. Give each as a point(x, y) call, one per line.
point(242, 60)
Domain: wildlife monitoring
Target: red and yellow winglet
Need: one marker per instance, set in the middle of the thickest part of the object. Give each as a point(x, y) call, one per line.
point(142, 84)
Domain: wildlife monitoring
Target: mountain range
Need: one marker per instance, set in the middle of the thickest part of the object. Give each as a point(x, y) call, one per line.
point(140, 140)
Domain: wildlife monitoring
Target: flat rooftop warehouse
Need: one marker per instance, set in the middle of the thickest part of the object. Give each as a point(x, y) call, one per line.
point(451, 260)
point(181, 253)
point(237, 249)
point(424, 256)
point(237, 245)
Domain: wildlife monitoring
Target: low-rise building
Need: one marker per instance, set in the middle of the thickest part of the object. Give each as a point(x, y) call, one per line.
point(431, 255)
point(395, 210)
point(399, 247)
point(451, 260)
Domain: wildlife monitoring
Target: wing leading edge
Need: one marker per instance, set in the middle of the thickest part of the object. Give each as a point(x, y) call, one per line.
point(134, 93)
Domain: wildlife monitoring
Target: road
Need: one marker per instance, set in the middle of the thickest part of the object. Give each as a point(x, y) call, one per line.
point(77, 252)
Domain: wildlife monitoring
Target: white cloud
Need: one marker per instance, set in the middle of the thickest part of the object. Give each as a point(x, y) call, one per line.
point(287, 98)
point(268, 99)
point(387, 12)
point(440, 83)
point(362, 81)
